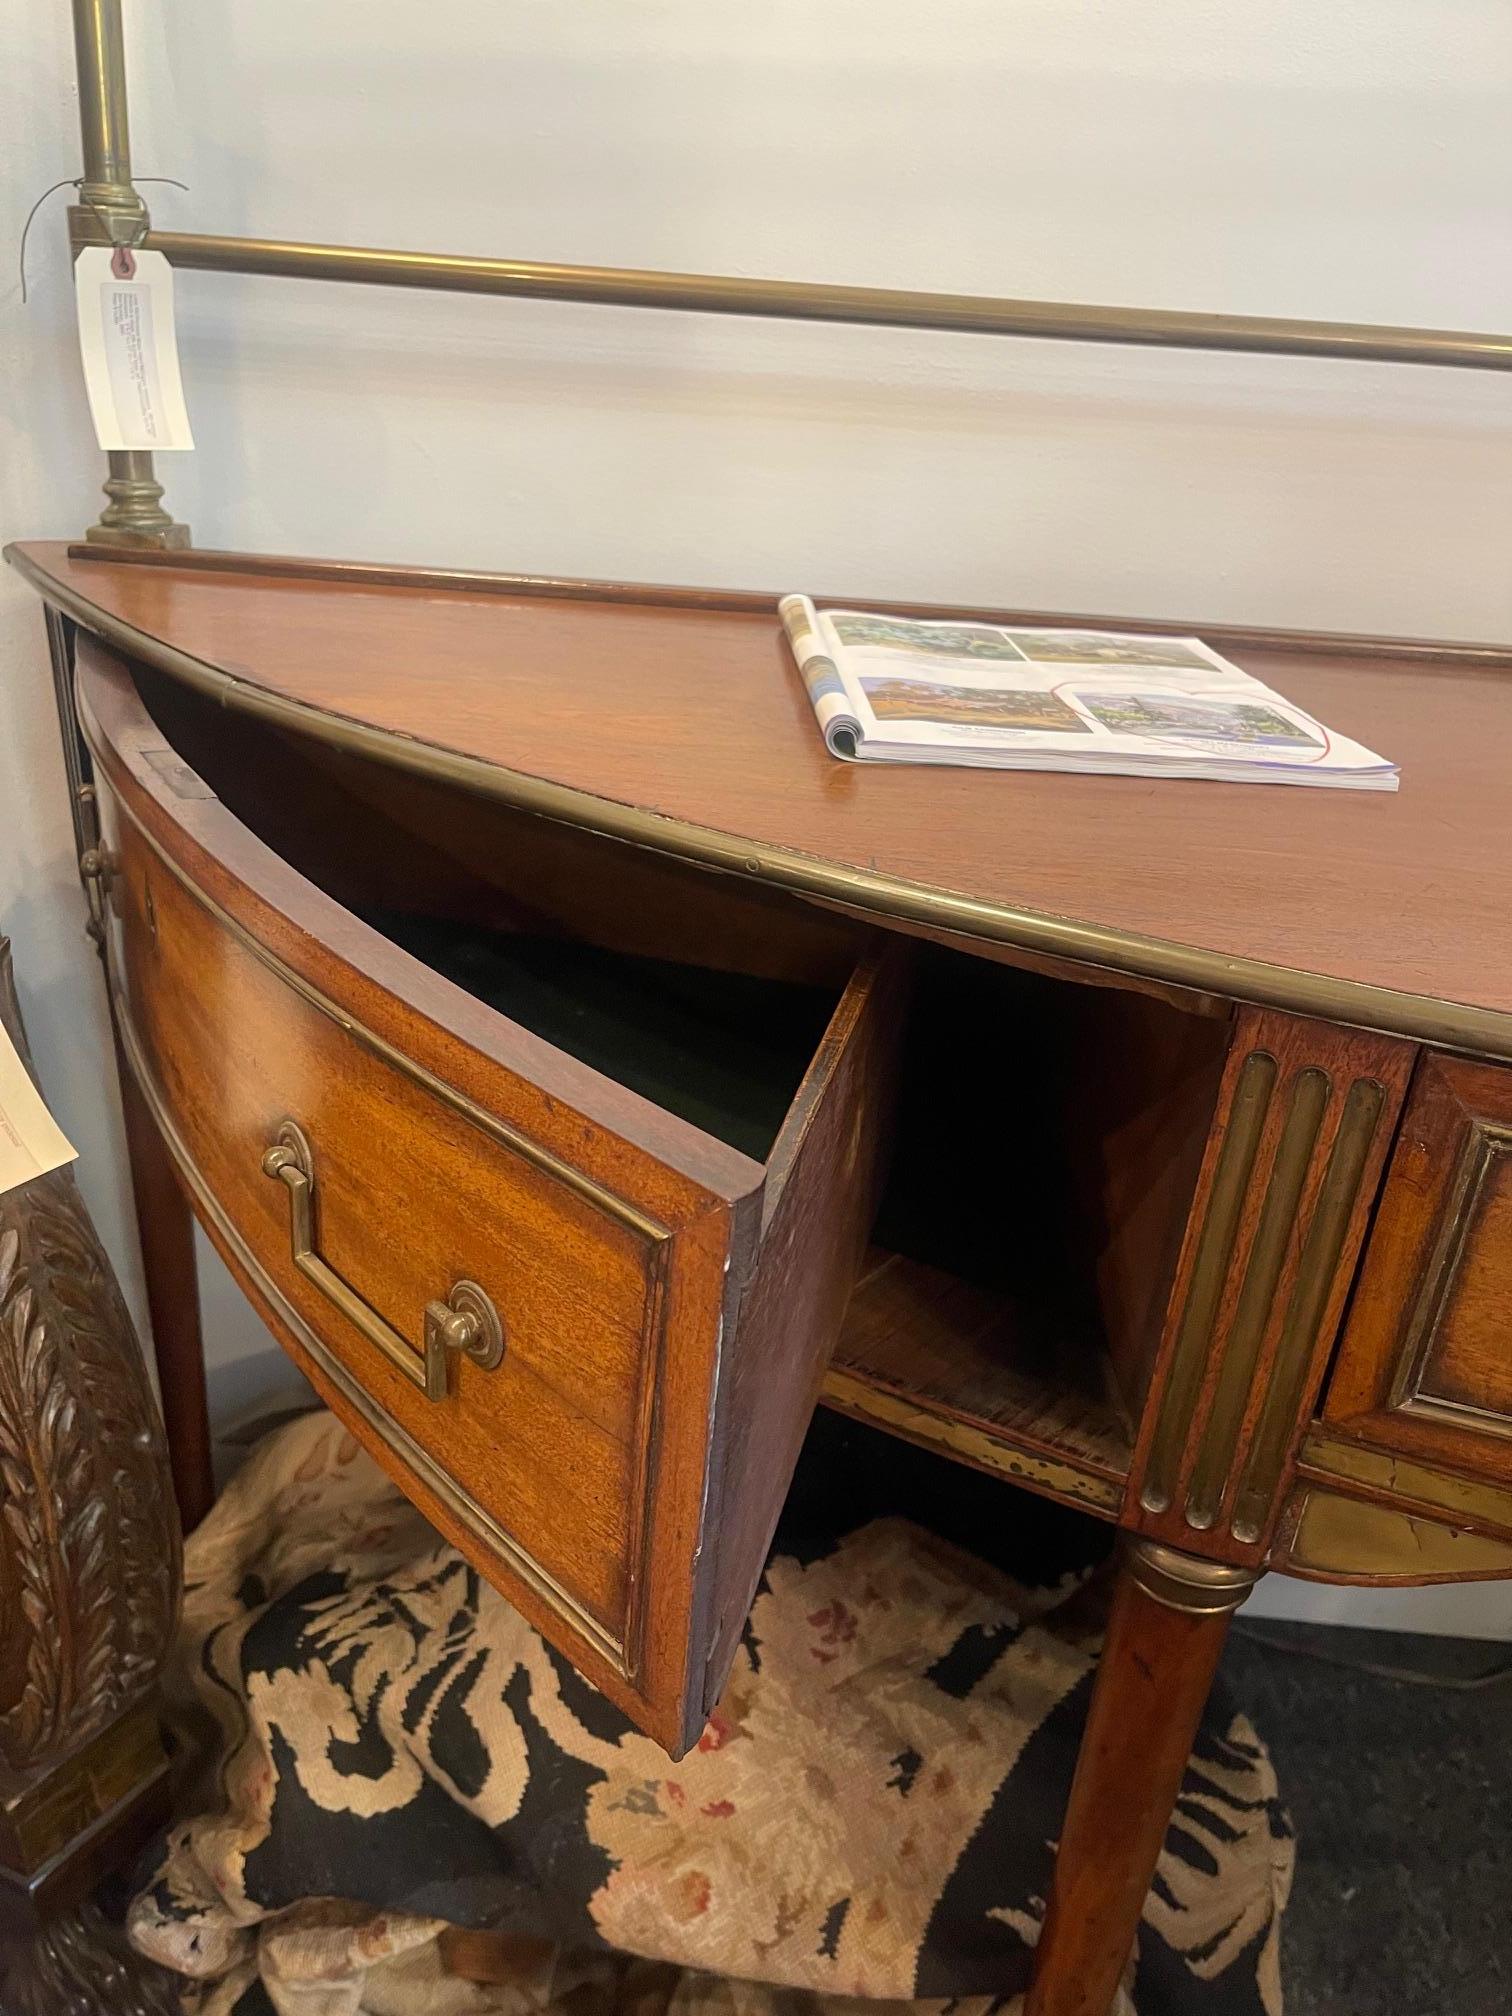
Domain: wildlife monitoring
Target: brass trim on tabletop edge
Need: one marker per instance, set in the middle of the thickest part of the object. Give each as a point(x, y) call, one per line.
point(1357, 1004)
point(380, 574)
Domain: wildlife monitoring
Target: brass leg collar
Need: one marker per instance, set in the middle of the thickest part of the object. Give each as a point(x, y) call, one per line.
point(1185, 1582)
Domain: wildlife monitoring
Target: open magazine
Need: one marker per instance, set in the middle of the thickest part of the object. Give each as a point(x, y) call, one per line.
point(890, 689)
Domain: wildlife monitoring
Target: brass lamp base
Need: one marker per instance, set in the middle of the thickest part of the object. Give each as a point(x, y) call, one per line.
point(135, 515)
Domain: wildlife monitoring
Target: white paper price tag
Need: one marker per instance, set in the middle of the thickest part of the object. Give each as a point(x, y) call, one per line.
point(130, 352)
point(31, 1141)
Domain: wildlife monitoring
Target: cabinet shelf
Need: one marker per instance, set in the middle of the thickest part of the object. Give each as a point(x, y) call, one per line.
point(988, 1377)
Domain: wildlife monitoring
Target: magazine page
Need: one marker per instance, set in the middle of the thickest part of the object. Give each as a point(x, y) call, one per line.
point(1075, 699)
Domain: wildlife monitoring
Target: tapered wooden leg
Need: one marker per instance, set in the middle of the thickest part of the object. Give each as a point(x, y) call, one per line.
point(1165, 1637)
point(166, 1227)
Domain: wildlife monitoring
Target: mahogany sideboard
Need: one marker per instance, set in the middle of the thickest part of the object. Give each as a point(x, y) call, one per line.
point(586, 1076)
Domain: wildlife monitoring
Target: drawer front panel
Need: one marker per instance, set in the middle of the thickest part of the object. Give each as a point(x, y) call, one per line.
point(388, 1165)
point(413, 1193)
point(1426, 1366)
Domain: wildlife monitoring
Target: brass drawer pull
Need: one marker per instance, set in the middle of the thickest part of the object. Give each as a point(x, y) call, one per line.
point(466, 1321)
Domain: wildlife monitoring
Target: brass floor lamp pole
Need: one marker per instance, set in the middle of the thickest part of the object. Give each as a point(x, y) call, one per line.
point(115, 215)
point(111, 212)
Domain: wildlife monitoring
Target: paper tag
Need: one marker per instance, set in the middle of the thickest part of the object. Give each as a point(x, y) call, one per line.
point(131, 366)
point(31, 1141)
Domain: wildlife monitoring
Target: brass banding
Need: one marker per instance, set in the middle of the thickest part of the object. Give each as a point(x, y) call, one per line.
point(1058, 1476)
point(1309, 1297)
point(1310, 1091)
point(1342, 1539)
point(1477, 1503)
point(1210, 1266)
point(764, 601)
point(1185, 1582)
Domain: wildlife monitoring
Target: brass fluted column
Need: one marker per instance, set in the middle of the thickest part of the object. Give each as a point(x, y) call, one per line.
point(135, 515)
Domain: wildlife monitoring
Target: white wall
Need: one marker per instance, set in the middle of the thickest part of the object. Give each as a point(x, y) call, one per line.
point(1349, 159)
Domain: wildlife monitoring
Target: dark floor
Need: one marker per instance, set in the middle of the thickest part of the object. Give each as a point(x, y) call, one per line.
point(1402, 1798)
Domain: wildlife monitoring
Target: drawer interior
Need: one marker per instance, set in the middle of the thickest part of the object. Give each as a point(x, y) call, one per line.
point(725, 1051)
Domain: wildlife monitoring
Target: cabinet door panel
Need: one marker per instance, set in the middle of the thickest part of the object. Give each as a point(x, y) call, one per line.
point(1426, 1363)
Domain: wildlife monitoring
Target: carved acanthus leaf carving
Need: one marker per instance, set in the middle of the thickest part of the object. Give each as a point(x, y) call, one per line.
point(87, 1519)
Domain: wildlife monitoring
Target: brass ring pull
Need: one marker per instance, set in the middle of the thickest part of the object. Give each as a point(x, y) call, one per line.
point(466, 1323)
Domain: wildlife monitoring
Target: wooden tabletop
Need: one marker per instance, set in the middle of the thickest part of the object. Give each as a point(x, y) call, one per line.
point(668, 718)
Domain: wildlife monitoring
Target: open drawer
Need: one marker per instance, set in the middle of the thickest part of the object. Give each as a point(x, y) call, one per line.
point(563, 1230)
